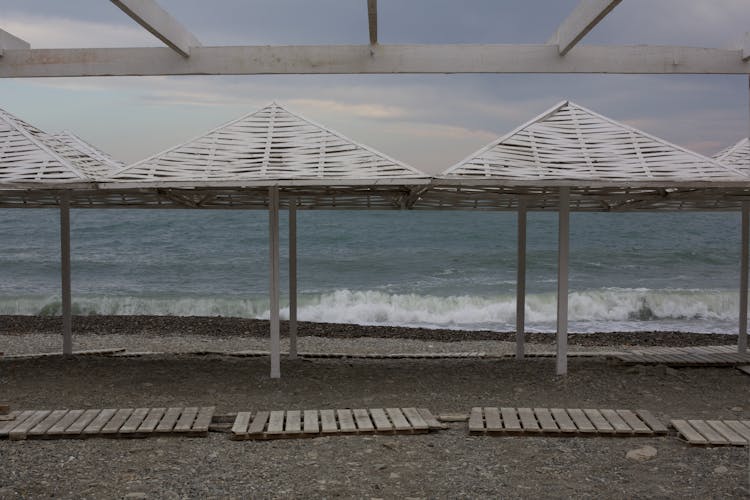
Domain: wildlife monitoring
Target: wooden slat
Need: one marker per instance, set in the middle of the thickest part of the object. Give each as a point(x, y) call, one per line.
point(528, 420)
point(185, 422)
point(362, 419)
point(635, 423)
point(687, 431)
point(431, 420)
point(599, 421)
point(19, 432)
point(739, 428)
point(134, 421)
point(76, 428)
point(42, 427)
point(476, 420)
point(619, 425)
point(58, 429)
point(492, 421)
point(656, 425)
point(415, 419)
point(708, 432)
point(7, 425)
point(545, 419)
point(563, 421)
point(311, 424)
point(275, 423)
point(202, 421)
point(581, 421)
point(510, 420)
point(293, 424)
point(99, 422)
point(328, 422)
point(169, 420)
point(400, 424)
point(151, 421)
point(259, 424)
point(728, 434)
point(119, 418)
point(346, 421)
point(380, 419)
point(744, 369)
point(241, 423)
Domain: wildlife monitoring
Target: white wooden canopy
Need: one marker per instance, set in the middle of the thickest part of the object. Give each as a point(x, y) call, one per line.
point(736, 156)
point(608, 165)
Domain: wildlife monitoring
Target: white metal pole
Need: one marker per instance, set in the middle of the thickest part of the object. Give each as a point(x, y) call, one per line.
point(521, 281)
point(562, 281)
point(65, 270)
point(273, 219)
point(293, 278)
point(742, 336)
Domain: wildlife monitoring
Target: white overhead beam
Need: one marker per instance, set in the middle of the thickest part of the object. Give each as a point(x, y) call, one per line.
point(11, 42)
point(363, 59)
point(159, 23)
point(584, 17)
point(372, 17)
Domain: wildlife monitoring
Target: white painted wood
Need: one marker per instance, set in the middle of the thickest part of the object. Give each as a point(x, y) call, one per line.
point(370, 59)
point(372, 18)
point(562, 281)
point(742, 337)
point(521, 281)
point(737, 155)
point(273, 236)
point(293, 278)
point(746, 47)
point(586, 15)
point(11, 42)
point(67, 309)
point(159, 23)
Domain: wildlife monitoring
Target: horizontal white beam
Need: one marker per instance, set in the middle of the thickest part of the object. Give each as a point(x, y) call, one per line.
point(355, 59)
point(372, 17)
point(584, 17)
point(160, 23)
point(11, 42)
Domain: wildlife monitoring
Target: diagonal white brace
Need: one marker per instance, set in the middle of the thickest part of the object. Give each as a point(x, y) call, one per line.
point(159, 23)
point(586, 15)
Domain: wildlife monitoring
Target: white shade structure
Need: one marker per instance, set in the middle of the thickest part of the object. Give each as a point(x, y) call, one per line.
point(736, 156)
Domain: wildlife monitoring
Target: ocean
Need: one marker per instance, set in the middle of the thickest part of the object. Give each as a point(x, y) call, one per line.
point(628, 271)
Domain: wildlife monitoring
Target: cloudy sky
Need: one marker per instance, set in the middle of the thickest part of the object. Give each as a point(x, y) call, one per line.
point(429, 121)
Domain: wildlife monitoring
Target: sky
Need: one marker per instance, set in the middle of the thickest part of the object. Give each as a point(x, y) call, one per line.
point(428, 121)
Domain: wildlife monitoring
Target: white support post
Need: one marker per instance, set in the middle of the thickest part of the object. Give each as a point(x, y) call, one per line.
point(273, 234)
point(742, 336)
point(372, 18)
point(562, 281)
point(65, 274)
point(293, 278)
point(521, 281)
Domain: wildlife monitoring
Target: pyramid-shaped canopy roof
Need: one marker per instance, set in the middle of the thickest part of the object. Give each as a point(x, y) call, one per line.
point(570, 143)
point(271, 144)
point(737, 156)
point(76, 146)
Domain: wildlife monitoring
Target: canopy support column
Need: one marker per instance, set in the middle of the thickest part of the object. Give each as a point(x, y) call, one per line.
point(67, 315)
point(273, 219)
point(563, 243)
point(742, 336)
point(521, 281)
point(293, 278)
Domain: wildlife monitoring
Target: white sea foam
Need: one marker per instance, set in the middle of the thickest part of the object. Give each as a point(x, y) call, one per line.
point(593, 310)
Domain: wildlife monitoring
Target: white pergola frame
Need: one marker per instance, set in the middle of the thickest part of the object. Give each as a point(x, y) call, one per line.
point(562, 53)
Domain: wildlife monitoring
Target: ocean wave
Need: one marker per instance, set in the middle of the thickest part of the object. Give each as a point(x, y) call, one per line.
point(620, 308)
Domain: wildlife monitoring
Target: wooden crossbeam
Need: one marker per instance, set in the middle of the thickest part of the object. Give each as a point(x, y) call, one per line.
point(159, 23)
point(586, 15)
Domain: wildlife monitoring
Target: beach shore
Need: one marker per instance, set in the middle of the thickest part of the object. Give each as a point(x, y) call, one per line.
point(449, 463)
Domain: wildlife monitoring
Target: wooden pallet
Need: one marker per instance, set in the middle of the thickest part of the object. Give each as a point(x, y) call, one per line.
point(559, 421)
point(91, 352)
point(744, 369)
point(724, 355)
point(118, 423)
point(714, 432)
point(316, 423)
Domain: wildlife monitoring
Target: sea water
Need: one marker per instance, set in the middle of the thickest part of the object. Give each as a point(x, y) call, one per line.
point(628, 272)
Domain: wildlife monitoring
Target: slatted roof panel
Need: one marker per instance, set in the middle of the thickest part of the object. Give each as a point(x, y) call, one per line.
point(98, 162)
point(267, 145)
point(737, 156)
point(571, 143)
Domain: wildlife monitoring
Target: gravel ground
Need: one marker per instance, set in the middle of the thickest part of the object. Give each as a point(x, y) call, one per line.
point(449, 463)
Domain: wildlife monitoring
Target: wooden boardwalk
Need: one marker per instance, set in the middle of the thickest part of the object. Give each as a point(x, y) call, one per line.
point(282, 424)
point(562, 422)
point(117, 423)
point(725, 355)
point(714, 432)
